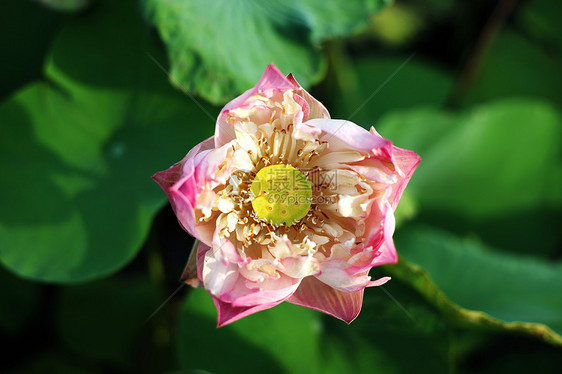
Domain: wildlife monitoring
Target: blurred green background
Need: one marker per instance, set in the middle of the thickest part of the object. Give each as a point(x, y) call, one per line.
point(97, 95)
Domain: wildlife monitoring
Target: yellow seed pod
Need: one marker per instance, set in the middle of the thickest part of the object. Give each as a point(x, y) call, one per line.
point(282, 194)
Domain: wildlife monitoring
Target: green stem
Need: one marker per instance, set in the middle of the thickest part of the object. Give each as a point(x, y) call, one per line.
point(420, 281)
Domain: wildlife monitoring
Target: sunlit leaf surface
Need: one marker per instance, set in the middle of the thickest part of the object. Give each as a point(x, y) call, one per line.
point(77, 152)
point(219, 48)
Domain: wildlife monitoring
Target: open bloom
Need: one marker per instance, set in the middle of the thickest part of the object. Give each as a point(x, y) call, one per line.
point(288, 204)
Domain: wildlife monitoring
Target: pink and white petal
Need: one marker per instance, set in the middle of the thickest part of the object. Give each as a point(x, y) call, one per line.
point(299, 266)
point(361, 262)
point(226, 251)
point(334, 274)
point(210, 167)
point(227, 313)
point(315, 107)
point(378, 282)
point(374, 227)
point(406, 161)
point(207, 169)
point(183, 209)
point(202, 250)
point(347, 136)
point(219, 276)
point(375, 170)
point(381, 225)
point(179, 184)
point(304, 105)
point(316, 295)
point(220, 271)
point(334, 159)
point(281, 247)
point(304, 132)
point(271, 79)
point(387, 251)
point(352, 206)
point(268, 291)
point(387, 255)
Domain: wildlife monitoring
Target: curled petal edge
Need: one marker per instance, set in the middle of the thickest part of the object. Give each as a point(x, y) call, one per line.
point(272, 78)
point(182, 174)
point(406, 161)
point(316, 295)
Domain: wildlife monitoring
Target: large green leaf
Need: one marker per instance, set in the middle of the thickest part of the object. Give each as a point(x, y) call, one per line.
point(77, 153)
point(500, 158)
point(291, 339)
point(220, 48)
point(473, 284)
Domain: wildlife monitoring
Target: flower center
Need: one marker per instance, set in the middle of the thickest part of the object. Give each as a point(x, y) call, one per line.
point(282, 194)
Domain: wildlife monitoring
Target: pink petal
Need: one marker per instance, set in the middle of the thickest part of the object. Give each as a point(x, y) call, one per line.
point(182, 175)
point(387, 251)
point(374, 169)
point(378, 282)
point(300, 266)
point(220, 276)
point(316, 295)
point(380, 225)
point(313, 107)
point(220, 273)
point(271, 79)
point(335, 274)
point(345, 135)
point(407, 162)
point(201, 252)
point(382, 240)
point(227, 313)
point(267, 292)
point(305, 132)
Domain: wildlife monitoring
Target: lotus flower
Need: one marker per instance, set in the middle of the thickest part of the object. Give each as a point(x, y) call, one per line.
point(288, 204)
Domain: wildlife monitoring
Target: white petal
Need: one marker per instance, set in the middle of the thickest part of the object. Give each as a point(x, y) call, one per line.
point(333, 160)
point(305, 132)
point(352, 206)
point(300, 266)
point(226, 204)
point(218, 276)
point(231, 221)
